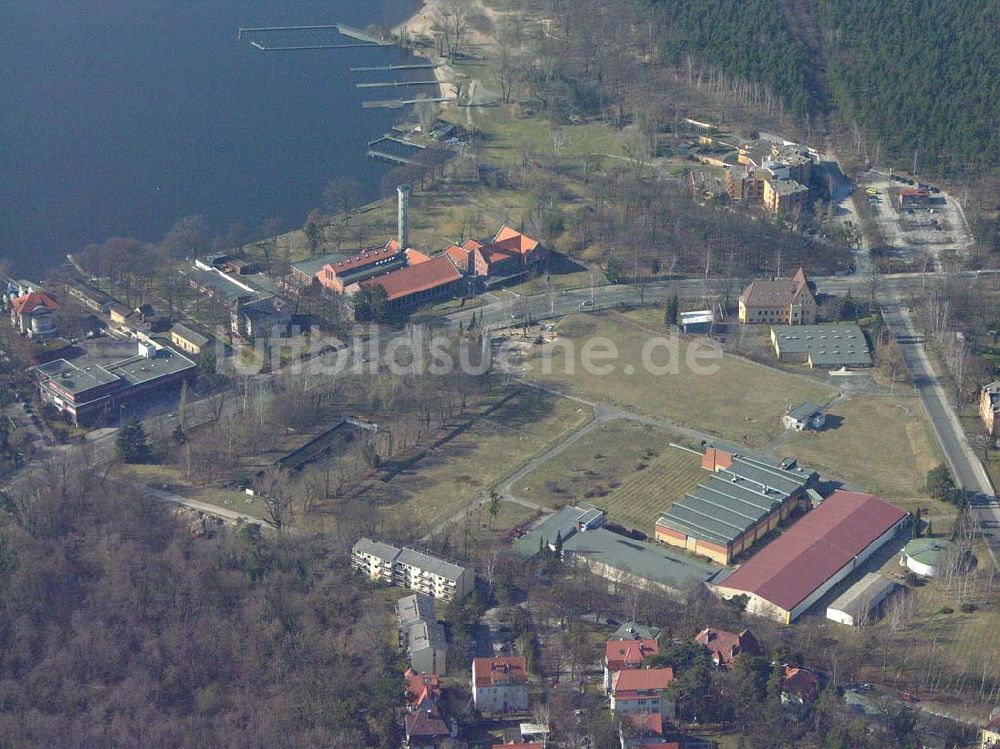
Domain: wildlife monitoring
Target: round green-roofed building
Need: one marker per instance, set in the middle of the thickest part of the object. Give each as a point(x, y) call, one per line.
point(927, 557)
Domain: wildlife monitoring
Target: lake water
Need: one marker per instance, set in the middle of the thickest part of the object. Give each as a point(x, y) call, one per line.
point(117, 117)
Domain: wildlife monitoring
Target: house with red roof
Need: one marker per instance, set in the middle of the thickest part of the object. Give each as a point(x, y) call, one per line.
point(723, 647)
point(800, 686)
point(636, 690)
point(622, 654)
point(500, 684)
point(794, 571)
point(644, 731)
point(425, 281)
point(32, 315)
point(424, 724)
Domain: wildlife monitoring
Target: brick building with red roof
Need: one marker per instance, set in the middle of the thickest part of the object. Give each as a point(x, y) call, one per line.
point(424, 281)
point(723, 647)
point(623, 654)
point(799, 567)
point(338, 275)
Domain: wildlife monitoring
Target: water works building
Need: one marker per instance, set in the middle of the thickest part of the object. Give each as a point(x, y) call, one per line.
point(740, 502)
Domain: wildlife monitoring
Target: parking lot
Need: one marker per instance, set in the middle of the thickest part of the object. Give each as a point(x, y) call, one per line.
point(935, 225)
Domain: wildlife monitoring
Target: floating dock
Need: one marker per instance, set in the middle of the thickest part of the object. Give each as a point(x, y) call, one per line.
point(400, 103)
point(394, 150)
point(412, 66)
point(298, 48)
point(342, 28)
point(390, 84)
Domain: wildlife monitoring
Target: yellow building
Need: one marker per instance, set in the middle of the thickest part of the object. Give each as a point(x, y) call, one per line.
point(781, 301)
point(744, 185)
point(784, 195)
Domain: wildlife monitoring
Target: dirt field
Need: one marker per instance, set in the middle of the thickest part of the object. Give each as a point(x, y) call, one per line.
point(626, 468)
point(442, 481)
point(879, 444)
point(741, 401)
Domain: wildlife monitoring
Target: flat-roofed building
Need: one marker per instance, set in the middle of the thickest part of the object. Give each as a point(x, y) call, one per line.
point(778, 301)
point(85, 391)
point(421, 637)
point(784, 196)
point(741, 502)
point(802, 565)
point(860, 604)
point(821, 346)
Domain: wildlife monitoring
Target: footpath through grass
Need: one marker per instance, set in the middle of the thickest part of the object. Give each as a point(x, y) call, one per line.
point(739, 401)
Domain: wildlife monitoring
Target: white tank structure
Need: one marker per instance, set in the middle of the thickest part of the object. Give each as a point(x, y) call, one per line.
point(930, 557)
point(403, 216)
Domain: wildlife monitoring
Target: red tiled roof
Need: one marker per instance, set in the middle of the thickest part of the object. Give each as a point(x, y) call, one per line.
point(648, 722)
point(421, 687)
point(724, 646)
point(914, 192)
point(500, 670)
point(621, 654)
point(425, 723)
point(435, 272)
point(415, 257)
point(790, 568)
point(641, 679)
point(800, 682)
point(367, 257)
point(512, 239)
point(25, 305)
point(472, 244)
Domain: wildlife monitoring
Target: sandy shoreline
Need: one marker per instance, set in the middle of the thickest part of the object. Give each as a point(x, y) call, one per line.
point(421, 26)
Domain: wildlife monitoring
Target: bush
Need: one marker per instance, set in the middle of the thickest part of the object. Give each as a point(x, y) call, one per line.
point(946, 610)
point(967, 608)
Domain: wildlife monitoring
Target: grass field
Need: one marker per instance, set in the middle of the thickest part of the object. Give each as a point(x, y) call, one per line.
point(741, 401)
point(883, 445)
point(444, 480)
point(626, 468)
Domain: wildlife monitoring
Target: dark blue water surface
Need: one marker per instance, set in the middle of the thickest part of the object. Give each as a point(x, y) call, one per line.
point(117, 117)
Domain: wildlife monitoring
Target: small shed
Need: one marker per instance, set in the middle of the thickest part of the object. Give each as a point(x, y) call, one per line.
point(804, 416)
point(860, 603)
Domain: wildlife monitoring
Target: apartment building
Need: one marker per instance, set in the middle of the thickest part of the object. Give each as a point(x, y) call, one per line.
point(500, 684)
point(409, 568)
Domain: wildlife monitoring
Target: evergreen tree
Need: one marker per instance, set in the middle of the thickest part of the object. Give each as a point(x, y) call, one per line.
point(671, 315)
point(558, 545)
point(133, 446)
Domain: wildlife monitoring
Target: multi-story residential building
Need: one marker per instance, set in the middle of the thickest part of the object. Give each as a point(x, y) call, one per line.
point(784, 195)
point(642, 690)
point(779, 301)
point(409, 568)
point(420, 635)
point(628, 651)
point(744, 185)
point(500, 685)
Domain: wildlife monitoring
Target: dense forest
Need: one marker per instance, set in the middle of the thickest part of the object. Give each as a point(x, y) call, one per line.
point(917, 77)
point(748, 39)
point(920, 77)
point(119, 629)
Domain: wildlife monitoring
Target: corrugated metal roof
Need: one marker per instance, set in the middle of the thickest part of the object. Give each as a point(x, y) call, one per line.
point(790, 568)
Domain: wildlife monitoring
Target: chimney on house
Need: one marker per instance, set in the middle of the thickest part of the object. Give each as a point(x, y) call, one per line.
point(403, 216)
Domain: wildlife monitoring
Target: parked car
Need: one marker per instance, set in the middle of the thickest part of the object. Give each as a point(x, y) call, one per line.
point(587, 303)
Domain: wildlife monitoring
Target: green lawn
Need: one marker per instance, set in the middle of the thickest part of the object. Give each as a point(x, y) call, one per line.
point(881, 444)
point(624, 467)
point(739, 400)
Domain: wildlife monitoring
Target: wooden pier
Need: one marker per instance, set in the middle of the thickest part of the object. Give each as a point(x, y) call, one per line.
point(400, 103)
point(301, 47)
point(342, 28)
point(413, 66)
point(390, 84)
